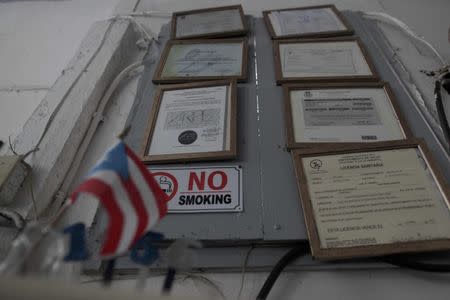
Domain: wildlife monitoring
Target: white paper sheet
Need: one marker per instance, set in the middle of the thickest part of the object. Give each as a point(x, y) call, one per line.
point(289, 22)
point(209, 22)
point(192, 120)
point(344, 115)
point(323, 59)
point(190, 60)
point(373, 198)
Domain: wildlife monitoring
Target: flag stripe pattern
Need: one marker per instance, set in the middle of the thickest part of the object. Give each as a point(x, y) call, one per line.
point(130, 196)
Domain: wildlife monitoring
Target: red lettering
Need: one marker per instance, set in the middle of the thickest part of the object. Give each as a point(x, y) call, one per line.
point(199, 182)
point(223, 181)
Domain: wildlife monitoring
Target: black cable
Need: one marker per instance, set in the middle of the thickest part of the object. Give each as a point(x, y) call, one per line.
point(109, 272)
point(296, 252)
point(302, 249)
point(441, 111)
point(405, 262)
point(168, 281)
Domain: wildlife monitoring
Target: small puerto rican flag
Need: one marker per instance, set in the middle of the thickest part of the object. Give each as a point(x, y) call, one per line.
point(130, 195)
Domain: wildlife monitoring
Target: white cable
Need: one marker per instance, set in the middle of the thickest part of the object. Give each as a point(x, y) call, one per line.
point(12, 215)
point(151, 13)
point(96, 119)
point(243, 272)
point(138, 25)
point(23, 88)
point(131, 17)
point(388, 19)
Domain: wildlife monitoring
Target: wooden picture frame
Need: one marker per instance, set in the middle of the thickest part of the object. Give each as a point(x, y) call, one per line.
point(318, 34)
point(289, 122)
point(231, 120)
point(347, 252)
point(281, 79)
point(216, 34)
point(160, 78)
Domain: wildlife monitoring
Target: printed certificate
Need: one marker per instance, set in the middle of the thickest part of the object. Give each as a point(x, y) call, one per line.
point(184, 61)
point(373, 197)
point(315, 21)
point(214, 22)
point(355, 113)
point(321, 60)
point(191, 120)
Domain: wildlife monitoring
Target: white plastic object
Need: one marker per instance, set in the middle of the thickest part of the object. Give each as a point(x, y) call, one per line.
point(181, 255)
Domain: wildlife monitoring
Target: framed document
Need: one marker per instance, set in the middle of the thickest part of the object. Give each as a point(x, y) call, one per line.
point(353, 113)
point(312, 21)
point(192, 122)
point(215, 22)
point(322, 60)
point(373, 200)
point(197, 60)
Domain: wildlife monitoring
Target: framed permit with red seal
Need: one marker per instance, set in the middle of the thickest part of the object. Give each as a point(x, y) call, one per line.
point(192, 122)
point(373, 200)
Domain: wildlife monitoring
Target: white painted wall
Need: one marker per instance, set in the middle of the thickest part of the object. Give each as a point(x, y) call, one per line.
point(38, 38)
point(306, 285)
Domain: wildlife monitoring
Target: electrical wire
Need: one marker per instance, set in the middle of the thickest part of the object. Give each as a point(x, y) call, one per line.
point(169, 280)
point(404, 261)
point(206, 281)
point(97, 118)
point(302, 249)
point(13, 216)
point(152, 13)
point(109, 272)
point(298, 251)
point(388, 19)
point(95, 121)
point(441, 112)
point(244, 267)
point(139, 26)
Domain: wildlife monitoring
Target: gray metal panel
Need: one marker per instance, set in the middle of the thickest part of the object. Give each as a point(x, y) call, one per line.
point(283, 217)
point(260, 259)
point(270, 193)
point(213, 226)
point(282, 212)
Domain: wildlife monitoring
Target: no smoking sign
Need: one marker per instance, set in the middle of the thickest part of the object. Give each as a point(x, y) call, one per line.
point(201, 190)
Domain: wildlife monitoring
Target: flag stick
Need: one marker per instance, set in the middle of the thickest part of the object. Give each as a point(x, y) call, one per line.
point(124, 133)
point(168, 282)
point(109, 272)
point(142, 277)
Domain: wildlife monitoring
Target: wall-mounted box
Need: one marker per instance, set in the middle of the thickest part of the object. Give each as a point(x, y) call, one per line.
point(13, 171)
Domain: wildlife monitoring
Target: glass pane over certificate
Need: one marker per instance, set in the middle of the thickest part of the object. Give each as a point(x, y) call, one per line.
point(323, 59)
point(217, 21)
point(374, 198)
point(344, 115)
point(207, 59)
point(304, 21)
point(192, 120)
